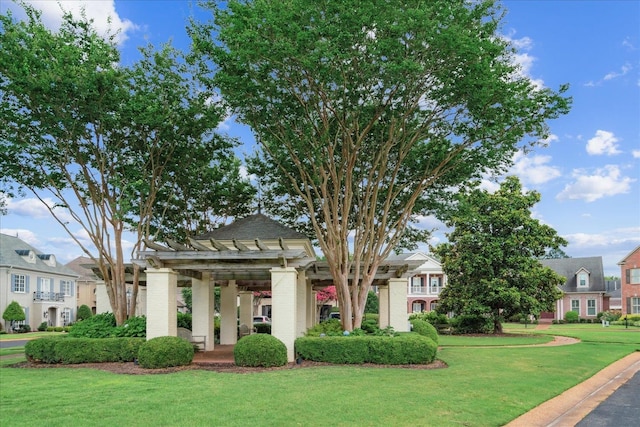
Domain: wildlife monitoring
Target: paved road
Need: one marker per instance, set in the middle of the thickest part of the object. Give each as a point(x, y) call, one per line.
point(13, 343)
point(621, 409)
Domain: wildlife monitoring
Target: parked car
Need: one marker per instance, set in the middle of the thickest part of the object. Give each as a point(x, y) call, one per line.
point(261, 319)
point(334, 315)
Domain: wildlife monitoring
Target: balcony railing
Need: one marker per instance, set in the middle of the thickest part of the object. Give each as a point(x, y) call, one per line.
point(48, 296)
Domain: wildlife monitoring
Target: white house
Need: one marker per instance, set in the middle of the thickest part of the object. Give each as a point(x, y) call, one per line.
point(426, 282)
point(44, 288)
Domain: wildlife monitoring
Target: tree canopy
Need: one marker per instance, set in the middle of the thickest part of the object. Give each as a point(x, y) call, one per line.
point(369, 112)
point(492, 257)
point(13, 312)
point(115, 147)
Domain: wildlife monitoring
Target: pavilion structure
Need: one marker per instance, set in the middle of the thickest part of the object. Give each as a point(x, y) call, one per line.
point(255, 253)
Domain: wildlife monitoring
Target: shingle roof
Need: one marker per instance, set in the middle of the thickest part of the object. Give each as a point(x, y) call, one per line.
point(256, 226)
point(78, 265)
point(568, 267)
point(11, 248)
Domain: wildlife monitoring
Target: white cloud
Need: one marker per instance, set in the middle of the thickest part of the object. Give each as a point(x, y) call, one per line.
point(615, 74)
point(103, 12)
point(23, 234)
point(36, 209)
point(533, 169)
point(523, 59)
point(606, 181)
point(603, 142)
point(636, 154)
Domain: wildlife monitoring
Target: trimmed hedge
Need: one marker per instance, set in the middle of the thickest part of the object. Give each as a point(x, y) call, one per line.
point(67, 350)
point(262, 328)
point(422, 327)
point(164, 352)
point(403, 349)
point(260, 350)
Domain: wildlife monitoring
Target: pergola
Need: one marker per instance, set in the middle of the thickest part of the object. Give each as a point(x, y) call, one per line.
point(255, 253)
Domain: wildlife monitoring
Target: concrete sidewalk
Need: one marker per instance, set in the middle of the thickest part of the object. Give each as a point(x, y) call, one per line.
point(574, 404)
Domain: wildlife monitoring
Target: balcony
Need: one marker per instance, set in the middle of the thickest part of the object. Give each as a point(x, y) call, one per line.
point(48, 296)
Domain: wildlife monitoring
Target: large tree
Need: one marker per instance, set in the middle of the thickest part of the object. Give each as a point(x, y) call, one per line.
point(109, 144)
point(368, 113)
point(492, 257)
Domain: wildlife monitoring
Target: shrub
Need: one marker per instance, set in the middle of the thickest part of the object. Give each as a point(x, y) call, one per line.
point(60, 349)
point(164, 352)
point(98, 326)
point(260, 350)
point(471, 324)
point(262, 328)
point(133, 327)
point(328, 327)
point(84, 312)
point(425, 329)
point(13, 312)
point(42, 327)
point(405, 348)
point(42, 350)
point(185, 320)
point(23, 329)
point(571, 317)
point(432, 317)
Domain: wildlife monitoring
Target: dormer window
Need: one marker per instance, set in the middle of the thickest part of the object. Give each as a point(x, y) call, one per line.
point(583, 278)
point(27, 255)
point(48, 259)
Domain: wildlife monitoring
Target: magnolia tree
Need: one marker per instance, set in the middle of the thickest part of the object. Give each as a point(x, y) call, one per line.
point(492, 257)
point(368, 113)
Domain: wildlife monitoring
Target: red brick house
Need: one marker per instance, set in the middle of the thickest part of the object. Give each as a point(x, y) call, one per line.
point(584, 290)
point(630, 275)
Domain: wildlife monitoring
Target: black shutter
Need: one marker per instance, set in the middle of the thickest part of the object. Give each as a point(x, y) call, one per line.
point(628, 304)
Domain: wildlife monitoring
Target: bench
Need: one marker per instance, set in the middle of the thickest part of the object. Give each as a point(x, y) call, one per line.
point(444, 329)
point(197, 340)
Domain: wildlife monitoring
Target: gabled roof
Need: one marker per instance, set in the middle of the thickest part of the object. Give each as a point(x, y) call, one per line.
point(622, 261)
point(430, 262)
point(11, 249)
point(569, 267)
point(256, 226)
point(80, 266)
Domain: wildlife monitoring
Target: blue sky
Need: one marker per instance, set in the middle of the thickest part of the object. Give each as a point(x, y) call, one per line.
point(588, 175)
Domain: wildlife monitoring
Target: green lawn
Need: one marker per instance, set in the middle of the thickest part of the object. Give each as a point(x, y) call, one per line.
point(483, 386)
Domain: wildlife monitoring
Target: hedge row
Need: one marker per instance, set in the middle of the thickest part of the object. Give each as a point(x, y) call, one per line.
point(404, 349)
point(68, 350)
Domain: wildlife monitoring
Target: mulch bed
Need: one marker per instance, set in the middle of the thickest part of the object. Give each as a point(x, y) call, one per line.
point(130, 368)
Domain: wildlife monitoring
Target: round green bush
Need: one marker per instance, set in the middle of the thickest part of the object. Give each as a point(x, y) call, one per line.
point(260, 350)
point(424, 328)
point(164, 352)
point(571, 317)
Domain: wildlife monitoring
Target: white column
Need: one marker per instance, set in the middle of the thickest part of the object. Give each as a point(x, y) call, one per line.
point(102, 298)
point(141, 303)
point(229, 313)
point(312, 307)
point(246, 308)
point(162, 317)
point(383, 306)
point(398, 305)
point(301, 304)
point(283, 316)
point(202, 316)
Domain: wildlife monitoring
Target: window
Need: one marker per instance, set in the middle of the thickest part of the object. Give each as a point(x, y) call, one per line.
point(65, 287)
point(591, 307)
point(19, 283)
point(635, 305)
point(434, 305)
point(575, 305)
point(417, 285)
point(633, 276)
point(436, 285)
point(45, 284)
point(417, 307)
point(583, 280)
